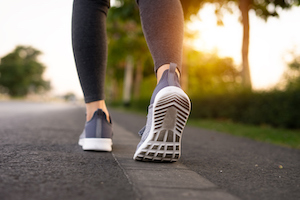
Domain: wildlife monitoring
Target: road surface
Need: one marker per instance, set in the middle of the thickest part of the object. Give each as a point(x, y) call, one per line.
point(40, 159)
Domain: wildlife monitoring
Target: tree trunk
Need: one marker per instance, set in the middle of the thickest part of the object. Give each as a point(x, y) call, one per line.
point(138, 79)
point(127, 81)
point(246, 78)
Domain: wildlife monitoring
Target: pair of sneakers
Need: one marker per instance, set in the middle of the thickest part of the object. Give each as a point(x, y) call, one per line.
point(161, 137)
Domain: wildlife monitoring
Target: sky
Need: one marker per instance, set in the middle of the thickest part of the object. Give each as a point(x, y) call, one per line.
point(46, 25)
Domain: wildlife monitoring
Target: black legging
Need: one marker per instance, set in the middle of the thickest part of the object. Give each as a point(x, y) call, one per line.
point(162, 22)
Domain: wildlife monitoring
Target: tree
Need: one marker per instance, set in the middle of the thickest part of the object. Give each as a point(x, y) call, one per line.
point(126, 45)
point(262, 8)
point(21, 72)
point(212, 76)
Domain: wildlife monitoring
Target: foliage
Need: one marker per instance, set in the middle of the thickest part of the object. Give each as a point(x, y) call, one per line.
point(69, 96)
point(191, 7)
point(230, 102)
point(125, 34)
point(210, 74)
point(125, 38)
point(275, 108)
point(216, 93)
point(21, 72)
point(262, 8)
point(292, 75)
point(214, 83)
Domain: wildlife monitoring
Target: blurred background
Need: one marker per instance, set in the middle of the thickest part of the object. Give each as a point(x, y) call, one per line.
point(241, 59)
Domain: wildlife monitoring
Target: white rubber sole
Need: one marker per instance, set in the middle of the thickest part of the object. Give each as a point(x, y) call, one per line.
point(171, 109)
point(96, 144)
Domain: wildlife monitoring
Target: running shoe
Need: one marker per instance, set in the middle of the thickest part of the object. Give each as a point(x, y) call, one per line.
point(97, 134)
point(167, 115)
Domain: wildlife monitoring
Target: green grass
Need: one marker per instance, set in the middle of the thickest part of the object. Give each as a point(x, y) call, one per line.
point(283, 137)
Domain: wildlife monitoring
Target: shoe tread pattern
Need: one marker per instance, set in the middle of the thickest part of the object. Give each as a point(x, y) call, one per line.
point(170, 116)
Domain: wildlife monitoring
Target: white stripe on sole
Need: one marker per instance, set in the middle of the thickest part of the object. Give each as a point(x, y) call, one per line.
point(96, 144)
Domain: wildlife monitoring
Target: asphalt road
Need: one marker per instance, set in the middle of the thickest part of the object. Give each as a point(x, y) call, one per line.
point(40, 159)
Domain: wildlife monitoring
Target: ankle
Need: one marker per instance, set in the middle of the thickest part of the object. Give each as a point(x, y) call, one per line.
point(163, 68)
point(92, 107)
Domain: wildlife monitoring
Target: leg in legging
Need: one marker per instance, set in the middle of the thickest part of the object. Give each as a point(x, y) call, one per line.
point(90, 50)
point(162, 22)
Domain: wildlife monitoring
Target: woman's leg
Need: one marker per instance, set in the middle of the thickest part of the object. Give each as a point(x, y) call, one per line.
point(162, 22)
point(90, 50)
